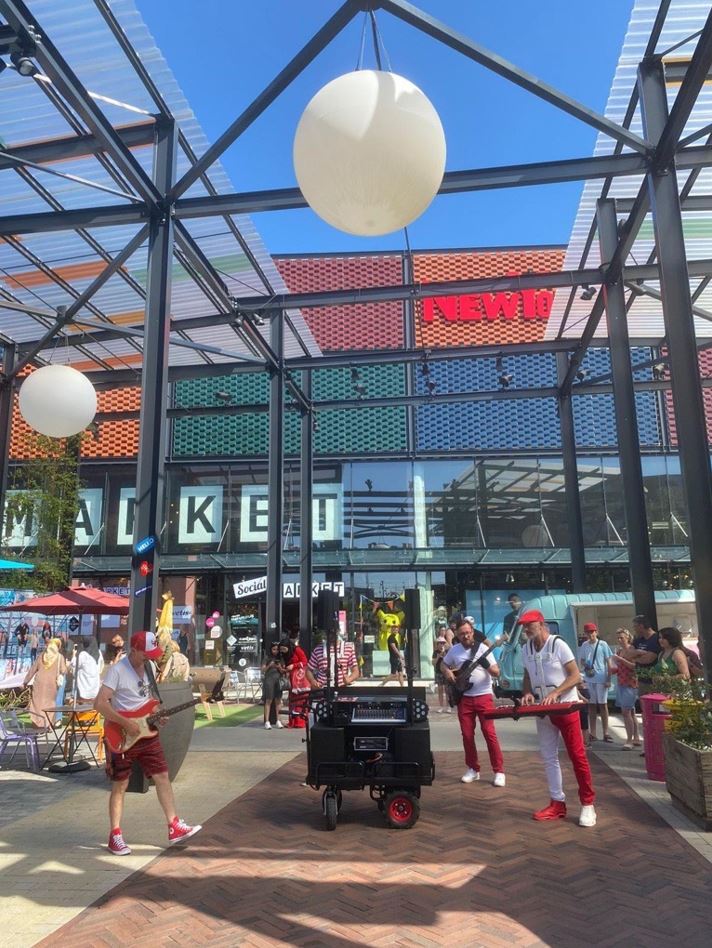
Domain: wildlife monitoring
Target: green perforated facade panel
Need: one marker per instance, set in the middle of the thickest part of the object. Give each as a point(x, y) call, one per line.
point(353, 431)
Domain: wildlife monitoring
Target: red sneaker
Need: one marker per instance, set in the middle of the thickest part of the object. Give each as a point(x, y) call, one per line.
point(117, 846)
point(179, 830)
point(556, 810)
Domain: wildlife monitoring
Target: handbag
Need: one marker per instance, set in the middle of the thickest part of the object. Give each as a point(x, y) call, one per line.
point(589, 669)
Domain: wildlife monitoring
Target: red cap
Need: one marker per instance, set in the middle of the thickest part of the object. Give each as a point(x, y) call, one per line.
point(146, 642)
point(590, 627)
point(533, 615)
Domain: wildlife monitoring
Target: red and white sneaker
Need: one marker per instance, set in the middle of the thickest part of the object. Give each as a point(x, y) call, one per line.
point(556, 810)
point(179, 830)
point(117, 846)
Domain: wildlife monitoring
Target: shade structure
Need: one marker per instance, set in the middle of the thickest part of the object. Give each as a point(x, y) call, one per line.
point(14, 564)
point(80, 601)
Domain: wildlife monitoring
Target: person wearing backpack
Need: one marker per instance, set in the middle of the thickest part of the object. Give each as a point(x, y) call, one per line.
point(594, 657)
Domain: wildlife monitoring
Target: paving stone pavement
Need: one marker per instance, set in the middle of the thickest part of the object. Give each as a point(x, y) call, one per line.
point(475, 870)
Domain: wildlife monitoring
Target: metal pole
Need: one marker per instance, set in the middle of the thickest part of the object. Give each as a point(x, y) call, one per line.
point(275, 475)
point(640, 562)
point(306, 474)
point(684, 366)
point(148, 510)
point(571, 491)
point(7, 391)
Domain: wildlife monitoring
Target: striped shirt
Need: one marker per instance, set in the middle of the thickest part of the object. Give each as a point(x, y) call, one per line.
point(345, 662)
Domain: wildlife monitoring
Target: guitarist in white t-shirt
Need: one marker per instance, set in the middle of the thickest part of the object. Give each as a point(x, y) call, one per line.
point(477, 697)
point(550, 676)
point(127, 687)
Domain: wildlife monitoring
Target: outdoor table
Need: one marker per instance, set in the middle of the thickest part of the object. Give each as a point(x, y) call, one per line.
point(72, 726)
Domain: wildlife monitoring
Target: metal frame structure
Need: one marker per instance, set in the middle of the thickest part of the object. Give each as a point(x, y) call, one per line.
point(159, 206)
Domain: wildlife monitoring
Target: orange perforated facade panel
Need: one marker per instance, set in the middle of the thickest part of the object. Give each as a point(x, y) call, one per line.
point(113, 439)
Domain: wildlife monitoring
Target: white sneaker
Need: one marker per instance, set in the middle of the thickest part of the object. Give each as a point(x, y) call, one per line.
point(470, 776)
point(588, 816)
point(279, 724)
point(499, 780)
point(448, 711)
point(439, 711)
point(268, 726)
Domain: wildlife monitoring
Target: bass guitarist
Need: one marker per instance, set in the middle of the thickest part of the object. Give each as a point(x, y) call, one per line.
point(477, 696)
point(127, 687)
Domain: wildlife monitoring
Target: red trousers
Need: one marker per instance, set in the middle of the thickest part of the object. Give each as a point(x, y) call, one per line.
point(569, 726)
point(469, 710)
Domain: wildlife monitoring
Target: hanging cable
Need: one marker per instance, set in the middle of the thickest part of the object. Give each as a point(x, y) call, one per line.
point(374, 33)
point(362, 47)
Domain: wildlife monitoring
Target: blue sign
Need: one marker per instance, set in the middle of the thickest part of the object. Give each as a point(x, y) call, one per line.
point(145, 545)
point(143, 589)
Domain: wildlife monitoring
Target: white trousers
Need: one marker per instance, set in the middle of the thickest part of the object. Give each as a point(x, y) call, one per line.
point(549, 750)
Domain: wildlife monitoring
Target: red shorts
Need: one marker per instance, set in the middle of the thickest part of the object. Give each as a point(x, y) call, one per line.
point(149, 755)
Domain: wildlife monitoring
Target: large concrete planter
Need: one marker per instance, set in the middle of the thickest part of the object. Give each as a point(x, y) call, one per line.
point(688, 777)
point(175, 736)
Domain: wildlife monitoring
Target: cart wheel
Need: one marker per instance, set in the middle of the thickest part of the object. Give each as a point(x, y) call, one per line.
point(339, 799)
point(331, 810)
point(402, 809)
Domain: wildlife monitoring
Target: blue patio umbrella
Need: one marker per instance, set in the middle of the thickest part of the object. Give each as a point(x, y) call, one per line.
point(14, 564)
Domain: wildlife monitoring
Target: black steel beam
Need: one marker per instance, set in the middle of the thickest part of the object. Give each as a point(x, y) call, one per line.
point(571, 488)
point(109, 270)
point(68, 84)
point(45, 222)
point(612, 273)
point(250, 202)
point(275, 488)
point(322, 38)
point(148, 508)
point(306, 532)
point(682, 346)
point(463, 44)
point(638, 540)
point(7, 398)
point(27, 356)
point(71, 147)
point(695, 77)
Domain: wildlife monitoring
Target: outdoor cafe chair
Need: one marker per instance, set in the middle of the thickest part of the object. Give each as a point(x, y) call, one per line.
point(16, 739)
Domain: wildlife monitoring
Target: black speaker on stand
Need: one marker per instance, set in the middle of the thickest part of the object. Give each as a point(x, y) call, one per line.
point(327, 610)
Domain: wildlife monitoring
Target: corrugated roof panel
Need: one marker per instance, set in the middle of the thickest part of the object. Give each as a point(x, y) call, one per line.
point(645, 316)
point(78, 30)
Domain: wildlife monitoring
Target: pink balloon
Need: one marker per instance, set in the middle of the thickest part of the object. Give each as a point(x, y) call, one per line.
point(210, 622)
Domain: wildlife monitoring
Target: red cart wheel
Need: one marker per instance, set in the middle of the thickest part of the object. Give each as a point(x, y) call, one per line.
point(402, 809)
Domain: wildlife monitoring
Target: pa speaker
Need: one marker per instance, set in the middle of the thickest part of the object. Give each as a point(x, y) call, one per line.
point(412, 609)
point(327, 610)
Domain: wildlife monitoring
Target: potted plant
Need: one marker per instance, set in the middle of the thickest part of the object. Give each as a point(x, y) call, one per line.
point(688, 747)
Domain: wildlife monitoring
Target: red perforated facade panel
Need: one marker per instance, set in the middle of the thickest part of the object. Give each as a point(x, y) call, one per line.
point(371, 326)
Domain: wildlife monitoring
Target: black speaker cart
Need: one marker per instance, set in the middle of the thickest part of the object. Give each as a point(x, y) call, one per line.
point(375, 737)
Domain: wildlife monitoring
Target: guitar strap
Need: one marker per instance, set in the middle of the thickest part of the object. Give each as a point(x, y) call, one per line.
point(148, 667)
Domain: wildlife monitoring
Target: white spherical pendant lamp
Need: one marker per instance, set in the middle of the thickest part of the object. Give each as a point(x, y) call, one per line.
point(57, 401)
point(369, 152)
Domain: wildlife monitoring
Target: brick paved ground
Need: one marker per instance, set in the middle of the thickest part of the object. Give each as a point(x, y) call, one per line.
point(476, 870)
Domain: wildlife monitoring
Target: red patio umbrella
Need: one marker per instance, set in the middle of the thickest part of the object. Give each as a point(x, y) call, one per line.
point(82, 600)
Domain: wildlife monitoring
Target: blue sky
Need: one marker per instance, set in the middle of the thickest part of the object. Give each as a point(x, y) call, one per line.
point(227, 57)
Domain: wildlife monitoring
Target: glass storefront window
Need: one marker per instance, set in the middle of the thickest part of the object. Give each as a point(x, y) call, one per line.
point(378, 505)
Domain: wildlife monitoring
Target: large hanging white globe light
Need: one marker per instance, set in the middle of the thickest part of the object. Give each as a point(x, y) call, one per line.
point(369, 152)
point(57, 401)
